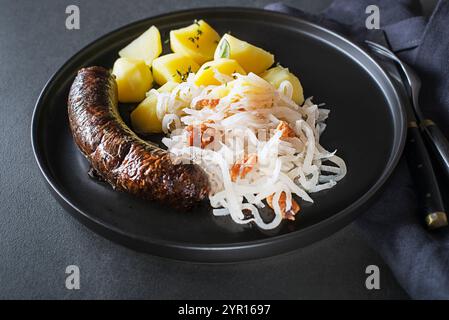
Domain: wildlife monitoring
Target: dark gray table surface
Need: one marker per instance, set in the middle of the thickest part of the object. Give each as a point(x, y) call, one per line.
point(38, 239)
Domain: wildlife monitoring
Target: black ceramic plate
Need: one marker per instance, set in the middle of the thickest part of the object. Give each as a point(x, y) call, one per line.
point(366, 126)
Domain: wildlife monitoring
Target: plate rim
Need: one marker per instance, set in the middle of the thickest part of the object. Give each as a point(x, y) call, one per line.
point(198, 250)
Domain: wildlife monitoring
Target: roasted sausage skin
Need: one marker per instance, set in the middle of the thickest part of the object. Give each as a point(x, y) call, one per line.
point(118, 155)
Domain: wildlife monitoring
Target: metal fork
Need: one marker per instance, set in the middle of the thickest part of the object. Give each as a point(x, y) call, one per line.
point(438, 142)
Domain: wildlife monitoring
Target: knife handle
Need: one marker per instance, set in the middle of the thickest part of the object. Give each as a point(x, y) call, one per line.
point(421, 169)
point(438, 143)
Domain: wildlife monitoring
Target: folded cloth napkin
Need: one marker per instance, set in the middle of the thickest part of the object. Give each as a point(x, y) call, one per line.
point(418, 258)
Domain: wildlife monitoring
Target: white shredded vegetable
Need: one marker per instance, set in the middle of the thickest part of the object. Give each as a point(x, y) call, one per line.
point(250, 157)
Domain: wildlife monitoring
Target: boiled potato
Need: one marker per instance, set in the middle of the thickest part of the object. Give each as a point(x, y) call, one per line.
point(173, 67)
point(144, 118)
point(250, 57)
point(146, 47)
point(197, 41)
point(206, 75)
point(133, 79)
point(276, 75)
point(220, 91)
point(167, 87)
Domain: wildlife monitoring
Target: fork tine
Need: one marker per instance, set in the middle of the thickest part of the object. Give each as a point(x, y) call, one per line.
point(409, 73)
point(381, 50)
point(376, 45)
point(414, 83)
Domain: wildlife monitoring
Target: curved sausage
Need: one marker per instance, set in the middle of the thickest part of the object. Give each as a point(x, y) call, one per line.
point(118, 155)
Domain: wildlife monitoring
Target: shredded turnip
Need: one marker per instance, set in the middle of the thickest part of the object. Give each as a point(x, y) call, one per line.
point(264, 144)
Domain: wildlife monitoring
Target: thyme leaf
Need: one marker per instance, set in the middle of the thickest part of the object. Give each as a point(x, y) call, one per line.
point(224, 49)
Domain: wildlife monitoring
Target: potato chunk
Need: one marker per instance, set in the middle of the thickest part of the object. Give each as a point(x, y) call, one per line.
point(146, 47)
point(173, 67)
point(276, 75)
point(133, 79)
point(250, 57)
point(167, 87)
point(144, 118)
point(206, 75)
point(197, 41)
